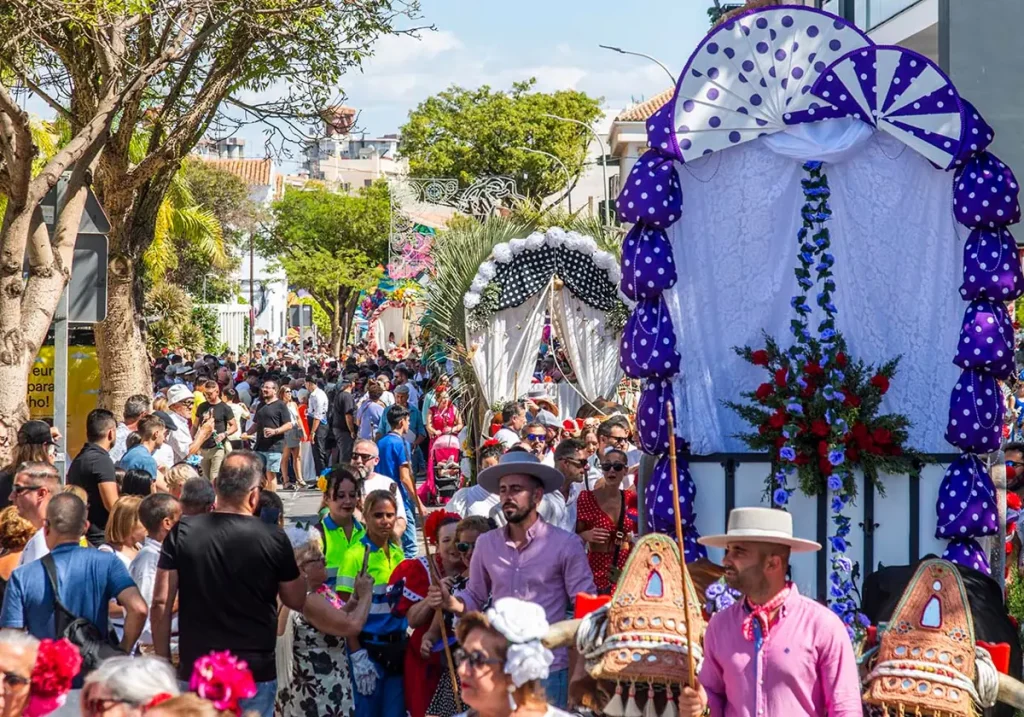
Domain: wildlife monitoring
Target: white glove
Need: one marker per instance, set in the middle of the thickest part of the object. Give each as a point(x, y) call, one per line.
point(364, 673)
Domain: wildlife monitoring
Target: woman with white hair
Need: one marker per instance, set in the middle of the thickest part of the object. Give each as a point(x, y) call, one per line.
point(313, 667)
point(127, 686)
point(502, 661)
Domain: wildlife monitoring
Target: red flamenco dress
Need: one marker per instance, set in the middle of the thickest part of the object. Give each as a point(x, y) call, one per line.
point(590, 516)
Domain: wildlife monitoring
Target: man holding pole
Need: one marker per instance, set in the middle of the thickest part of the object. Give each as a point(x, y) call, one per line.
point(527, 559)
point(775, 652)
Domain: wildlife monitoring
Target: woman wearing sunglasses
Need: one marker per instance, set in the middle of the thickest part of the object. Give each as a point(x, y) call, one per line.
point(443, 703)
point(408, 585)
point(607, 520)
point(502, 662)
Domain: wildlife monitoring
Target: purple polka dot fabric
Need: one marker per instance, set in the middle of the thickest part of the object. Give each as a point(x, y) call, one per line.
point(651, 424)
point(647, 264)
point(986, 339)
point(660, 136)
point(967, 552)
point(651, 194)
point(975, 413)
point(648, 348)
point(985, 193)
point(659, 503)
point(966, 504)
point(692, 550)
point(992, 268)
point(978, 135)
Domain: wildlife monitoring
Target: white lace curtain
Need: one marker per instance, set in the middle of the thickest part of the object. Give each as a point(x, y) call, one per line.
point(507, 348)
point(898, 259)
point(588, 344)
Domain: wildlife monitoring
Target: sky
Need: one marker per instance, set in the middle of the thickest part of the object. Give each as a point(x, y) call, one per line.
point(480, 42)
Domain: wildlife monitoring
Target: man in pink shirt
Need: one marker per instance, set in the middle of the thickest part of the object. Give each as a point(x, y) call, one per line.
point(775, 653)
point(528, 559)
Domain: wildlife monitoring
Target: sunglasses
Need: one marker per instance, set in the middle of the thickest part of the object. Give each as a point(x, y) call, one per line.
point(19, 489)
point(536, 438)
point(1013, 464)
point(362, 456)
point(98, 706)
point(578, 462)
point(618, 440)
point(465, 547)
point(312, 561)
point(13, 679)
point(475, 660)
point(613, 467)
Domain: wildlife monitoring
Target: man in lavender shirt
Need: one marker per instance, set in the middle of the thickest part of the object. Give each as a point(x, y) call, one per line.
point(528, 559)
point(776, 652)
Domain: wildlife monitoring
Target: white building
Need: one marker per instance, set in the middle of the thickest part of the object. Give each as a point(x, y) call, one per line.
point(589, 192)
point(350, 161)
point(270, 287)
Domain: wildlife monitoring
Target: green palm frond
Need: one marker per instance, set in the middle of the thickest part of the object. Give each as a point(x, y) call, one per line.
point(161, 256)
point(199, 227)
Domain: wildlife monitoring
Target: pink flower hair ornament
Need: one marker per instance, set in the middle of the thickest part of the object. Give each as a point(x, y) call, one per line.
point(224, 680)
point(57, 664)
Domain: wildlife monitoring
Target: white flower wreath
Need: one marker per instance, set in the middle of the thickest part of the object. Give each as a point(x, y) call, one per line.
point(523, 624)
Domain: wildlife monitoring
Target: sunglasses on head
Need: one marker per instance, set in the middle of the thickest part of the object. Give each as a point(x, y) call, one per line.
point(613, 466)
point(465, 547)
point(536, 437)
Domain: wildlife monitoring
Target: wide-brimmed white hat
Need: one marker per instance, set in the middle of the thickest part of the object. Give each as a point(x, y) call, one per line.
point(519, 463)
point(178, 393)
point(760, 525)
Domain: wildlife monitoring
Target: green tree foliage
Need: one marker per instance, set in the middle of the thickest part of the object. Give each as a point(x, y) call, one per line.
point(473, 133)
point(332, 245)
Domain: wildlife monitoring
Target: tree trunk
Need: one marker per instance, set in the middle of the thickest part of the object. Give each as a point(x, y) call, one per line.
point(335, 315)
point(350, 312)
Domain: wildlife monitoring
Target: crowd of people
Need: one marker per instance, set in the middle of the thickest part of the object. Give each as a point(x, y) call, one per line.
point(406, 594)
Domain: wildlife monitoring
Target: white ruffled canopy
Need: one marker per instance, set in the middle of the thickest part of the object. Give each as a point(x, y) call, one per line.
point(589, 345)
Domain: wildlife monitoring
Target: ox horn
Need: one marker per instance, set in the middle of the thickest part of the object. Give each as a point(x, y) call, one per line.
point(1011, 691)
point(561, 634)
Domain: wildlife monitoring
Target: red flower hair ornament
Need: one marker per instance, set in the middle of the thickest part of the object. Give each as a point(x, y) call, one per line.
point(57, 664)
point(224, 680)
point(435, 520)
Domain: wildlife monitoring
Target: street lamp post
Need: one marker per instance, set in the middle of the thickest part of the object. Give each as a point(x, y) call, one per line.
point(640, 54)
point(560, 163)
point(604, 157)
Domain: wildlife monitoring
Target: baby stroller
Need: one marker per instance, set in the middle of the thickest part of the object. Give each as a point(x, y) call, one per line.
point(444, 451)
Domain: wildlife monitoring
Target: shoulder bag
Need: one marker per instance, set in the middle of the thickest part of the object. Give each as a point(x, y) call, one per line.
point(619, 537)
point(80, 632)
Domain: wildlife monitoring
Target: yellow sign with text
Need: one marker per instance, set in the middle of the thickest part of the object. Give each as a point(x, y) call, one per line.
point(83, 390)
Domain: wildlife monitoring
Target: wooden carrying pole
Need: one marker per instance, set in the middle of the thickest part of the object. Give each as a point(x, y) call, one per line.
point(679, 539)
point(436, 577)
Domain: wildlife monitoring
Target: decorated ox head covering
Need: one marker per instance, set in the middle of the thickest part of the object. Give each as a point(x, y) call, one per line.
point(640, 642)
point(966, 501)
point(925, 663)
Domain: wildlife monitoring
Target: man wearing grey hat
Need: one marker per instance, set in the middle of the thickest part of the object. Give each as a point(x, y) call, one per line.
point(528, 558)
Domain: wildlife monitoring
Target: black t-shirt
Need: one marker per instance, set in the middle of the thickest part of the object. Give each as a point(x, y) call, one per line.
point(273, 415)
point(91, 467)
point(222, 413)
point(229, 567)
point(344, 405)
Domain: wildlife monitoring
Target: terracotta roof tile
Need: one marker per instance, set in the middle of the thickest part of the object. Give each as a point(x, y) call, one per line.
point(254, 172)
point(640, 112)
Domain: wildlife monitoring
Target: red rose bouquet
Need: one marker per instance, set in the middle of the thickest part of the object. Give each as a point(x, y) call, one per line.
point(796, 407)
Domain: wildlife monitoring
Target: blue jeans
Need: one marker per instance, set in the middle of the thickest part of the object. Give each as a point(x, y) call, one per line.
point(387, 700)
point(262, 704)
point(409, 546)
point(556, 688)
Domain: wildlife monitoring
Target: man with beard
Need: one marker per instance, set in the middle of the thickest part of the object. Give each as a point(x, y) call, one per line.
point(528, 558)
point(775, 652)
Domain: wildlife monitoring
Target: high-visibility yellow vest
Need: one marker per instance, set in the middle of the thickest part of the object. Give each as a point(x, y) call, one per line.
point(336, 544)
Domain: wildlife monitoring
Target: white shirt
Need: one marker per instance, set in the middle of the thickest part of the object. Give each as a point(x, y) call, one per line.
point(387, 398)
point(472, 500)
point(164, 456)
point(562, 511)
point(382, 482)
point(180, 439)
point(317, 406)
point(507, 438)
point(143, 572)
point(120, 443)
point(34, 549)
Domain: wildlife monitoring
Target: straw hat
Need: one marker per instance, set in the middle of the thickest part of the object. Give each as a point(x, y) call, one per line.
point(519, 463)
point(760, 525)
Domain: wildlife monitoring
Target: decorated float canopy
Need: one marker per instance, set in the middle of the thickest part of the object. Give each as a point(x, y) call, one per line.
point(557, 273)
point(806, 183)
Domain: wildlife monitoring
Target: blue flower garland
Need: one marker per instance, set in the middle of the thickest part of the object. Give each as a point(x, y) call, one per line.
point(816, 269)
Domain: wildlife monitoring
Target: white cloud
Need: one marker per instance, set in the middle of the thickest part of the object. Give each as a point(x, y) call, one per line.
point(402, 51)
